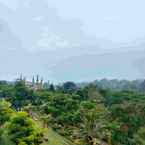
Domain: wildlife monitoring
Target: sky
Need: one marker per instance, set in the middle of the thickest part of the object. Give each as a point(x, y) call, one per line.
point(73, 40)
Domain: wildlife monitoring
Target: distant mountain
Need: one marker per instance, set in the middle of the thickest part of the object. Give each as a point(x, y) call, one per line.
point(120, 85)
point(117, 85)
point(120, 65)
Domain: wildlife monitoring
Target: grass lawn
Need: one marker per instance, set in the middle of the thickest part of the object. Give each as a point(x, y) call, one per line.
point(55, 139)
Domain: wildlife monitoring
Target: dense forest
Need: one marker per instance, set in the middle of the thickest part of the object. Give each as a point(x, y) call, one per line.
point(97, 113)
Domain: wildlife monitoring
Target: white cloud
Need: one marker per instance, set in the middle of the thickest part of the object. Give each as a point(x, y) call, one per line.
point(52, 42)
point(39, 28)
point(38, 18)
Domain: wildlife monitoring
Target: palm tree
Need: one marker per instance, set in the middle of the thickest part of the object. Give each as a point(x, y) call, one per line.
point(94, 126)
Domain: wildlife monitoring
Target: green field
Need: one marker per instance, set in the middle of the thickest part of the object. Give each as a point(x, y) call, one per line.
point(55, 139)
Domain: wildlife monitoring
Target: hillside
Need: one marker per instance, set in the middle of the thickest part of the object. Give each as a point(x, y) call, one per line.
point(59, 114)
point(55, 139)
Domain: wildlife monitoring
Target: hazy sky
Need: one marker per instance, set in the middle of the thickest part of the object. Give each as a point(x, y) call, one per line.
point(72, 39)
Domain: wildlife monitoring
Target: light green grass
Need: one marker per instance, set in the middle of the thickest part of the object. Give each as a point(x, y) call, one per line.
point(55, 139)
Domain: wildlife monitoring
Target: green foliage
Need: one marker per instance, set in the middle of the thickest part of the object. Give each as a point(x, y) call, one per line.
point(17, 128)
point(5, 112)
point(69, 87)
point(23, 130)
point(22, 95)
point(84, 115)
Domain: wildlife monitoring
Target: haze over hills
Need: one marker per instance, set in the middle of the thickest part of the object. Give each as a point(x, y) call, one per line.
point(113, 65)
point(72, 72)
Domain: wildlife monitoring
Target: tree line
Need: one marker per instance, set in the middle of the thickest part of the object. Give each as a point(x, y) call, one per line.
point(88, 115)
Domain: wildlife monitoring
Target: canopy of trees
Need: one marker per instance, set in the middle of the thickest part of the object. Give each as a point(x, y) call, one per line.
point(88, 115)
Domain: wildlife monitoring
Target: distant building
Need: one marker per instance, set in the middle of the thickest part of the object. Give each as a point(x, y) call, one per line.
point(35, 84)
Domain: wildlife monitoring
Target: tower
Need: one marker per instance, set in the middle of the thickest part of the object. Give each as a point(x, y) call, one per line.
point(41, 82)
point(37, 79)
point(33, 81)
point(21, 77)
